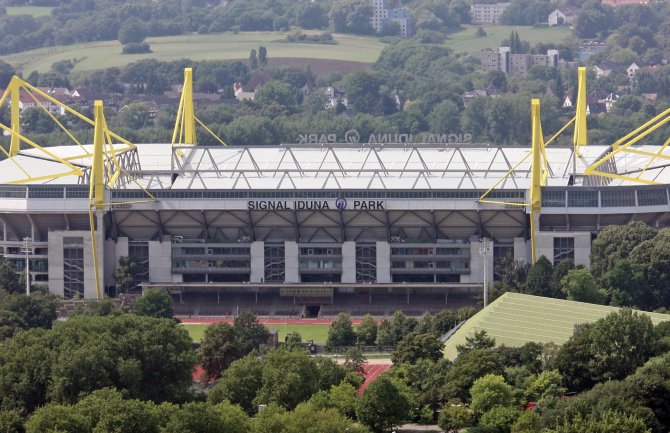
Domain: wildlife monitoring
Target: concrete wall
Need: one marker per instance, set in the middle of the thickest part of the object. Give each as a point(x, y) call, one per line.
point(383, 262)
point(349, 262)
point(545, 245)
point(257, 262)
point(477, 263)
point(160, 261)
point(292, 273)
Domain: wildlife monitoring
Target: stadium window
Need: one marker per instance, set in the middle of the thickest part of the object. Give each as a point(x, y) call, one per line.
point(564, 248)
point(616, 198)
point(584, 198)
point(652, 197)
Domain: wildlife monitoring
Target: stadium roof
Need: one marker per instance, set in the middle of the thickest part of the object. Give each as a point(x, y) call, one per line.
point(515, 319)
point(332, 166)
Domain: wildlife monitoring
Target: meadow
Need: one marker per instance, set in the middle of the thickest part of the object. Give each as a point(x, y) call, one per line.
point(318, 333)
point(349, 49)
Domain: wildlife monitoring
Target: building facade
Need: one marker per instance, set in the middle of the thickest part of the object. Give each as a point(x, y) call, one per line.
point(382, 15)
point(487, 13)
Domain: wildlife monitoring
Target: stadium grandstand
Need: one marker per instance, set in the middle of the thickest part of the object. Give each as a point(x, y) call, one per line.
point(311, 229)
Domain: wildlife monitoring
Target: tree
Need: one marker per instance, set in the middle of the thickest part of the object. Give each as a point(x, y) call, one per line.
point(363, 91)
point(341, 332)
point(573, 359)
point(621, 342)
point(539, 278)
point(277, 92)
point(262, 56)
point(6, 73)
point(11, 422)
point(133, 116)
point(311, 16)
point(343, 397)
point(580, 285)
point(9, 280)
point(444, 117)
point(654, 255)
point(289, 378)
point(35, 311)
point(36, 120)
point(467, 368)
point(219, 348)
point(204, 418)
point(132, 30)
point(455, 417)
point(626, 284)
point(154, 303)
point(253, 60)
point(239, 384)
point(351, 16)
point(490, 391)
point(55, 418)
point(607, 422)
point(480, 340)
point(417, 346)
point(390, 332)
point(251, 334)
point(367, 331)
point(617, 242)
point(355, 361)
point(560, 271)
point(499, 419)
point(382, 405)
point(107, 411)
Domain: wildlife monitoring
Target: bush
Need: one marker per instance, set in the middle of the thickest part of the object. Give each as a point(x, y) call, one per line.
point(136, 48)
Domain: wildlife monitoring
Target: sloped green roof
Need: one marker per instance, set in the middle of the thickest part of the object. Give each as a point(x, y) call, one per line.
point(515, 319)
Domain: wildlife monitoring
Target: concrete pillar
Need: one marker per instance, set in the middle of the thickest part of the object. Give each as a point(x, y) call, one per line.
point(257, 262)
point(55, 257)
point(100, 249)
point(160, 261)
point(583, 249)
point(90, 291)
point(383, 262)
point(521, 250)
point(349, 262)
point(477, 263)
point(291, 262)
point(110, 262)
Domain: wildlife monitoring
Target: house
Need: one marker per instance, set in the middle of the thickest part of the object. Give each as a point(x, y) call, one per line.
point(632, 70)
point(605, 69)
point(561, 17)
point(473, 94)
point(241, 95)
point(651, 97)
point(609, 101)
point(336, 95)
point(567, 102)
point(382, 15)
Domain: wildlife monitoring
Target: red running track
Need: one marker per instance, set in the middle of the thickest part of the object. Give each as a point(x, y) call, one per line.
point(211, 320)
point(372, 371)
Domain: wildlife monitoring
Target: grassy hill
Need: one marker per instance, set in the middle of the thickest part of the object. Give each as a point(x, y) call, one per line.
point(99, 55)
point(515, 319)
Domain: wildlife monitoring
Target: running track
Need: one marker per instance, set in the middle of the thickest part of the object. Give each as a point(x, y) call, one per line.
point(209, 320)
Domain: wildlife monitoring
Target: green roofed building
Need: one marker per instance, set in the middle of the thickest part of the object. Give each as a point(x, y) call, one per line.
point(514, 319)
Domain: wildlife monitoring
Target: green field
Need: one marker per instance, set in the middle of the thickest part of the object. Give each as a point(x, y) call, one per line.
point(466, 41)
point(36, 11)
point(99, 55)
point(318, 333)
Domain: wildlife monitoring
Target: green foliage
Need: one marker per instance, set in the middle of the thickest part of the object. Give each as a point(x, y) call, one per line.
point(203, 418)
point(150, 358)
point(654, 255)
point(382, 405)
point(239, 384)
point(539, 278)
point(580, 285)
point(341, 332)
point(351, 16)
point(262, 56)
point(490, 391)
point(467, 368)
point(132, 30)
point(219, 348)
point(355, 361)
point(55, 418)
point(498, 420)
point(616, 243)
point(480, 340)
point(607, 422)
point(454, 417)
point(363, 91)
point(11, 422)
point(306, 418)
point(251, 334)
point(25, 312)
point(390, 332)
point(154, 303)
point(289, 378)
point(417, 346)
point(9, 280)
point(367, 331)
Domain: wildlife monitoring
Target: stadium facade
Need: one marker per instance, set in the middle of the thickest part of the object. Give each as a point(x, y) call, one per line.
point(314, 221)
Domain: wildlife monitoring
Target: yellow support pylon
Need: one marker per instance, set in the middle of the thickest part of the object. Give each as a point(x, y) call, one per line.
point(580, 136)
point(536, 175)
point(14, 94)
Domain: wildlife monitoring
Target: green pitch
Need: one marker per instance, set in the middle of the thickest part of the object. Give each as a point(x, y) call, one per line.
point(318, 333)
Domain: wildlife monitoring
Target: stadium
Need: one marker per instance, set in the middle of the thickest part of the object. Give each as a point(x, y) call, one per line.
point(313, 229)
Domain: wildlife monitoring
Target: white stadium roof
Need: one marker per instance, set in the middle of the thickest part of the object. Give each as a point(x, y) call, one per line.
point(331, 167)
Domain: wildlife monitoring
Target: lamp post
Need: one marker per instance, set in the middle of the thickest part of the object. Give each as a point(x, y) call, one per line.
point(27, 249)
point(484, 248)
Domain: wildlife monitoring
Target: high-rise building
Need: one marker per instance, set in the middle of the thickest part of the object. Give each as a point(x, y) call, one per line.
point(487, 13)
